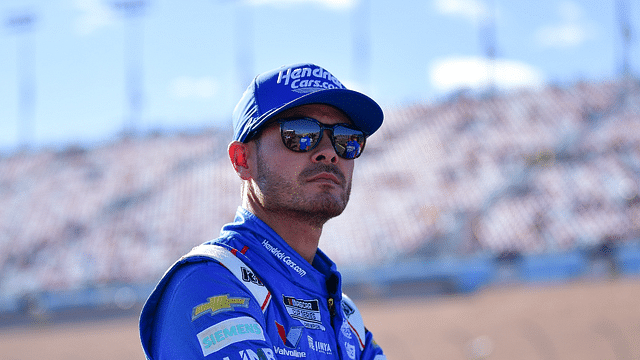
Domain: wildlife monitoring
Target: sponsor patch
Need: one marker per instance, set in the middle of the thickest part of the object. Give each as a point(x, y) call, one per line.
point(319, 346)
point(250, 277)
point(346, 330)
point(306, 311)
point(347, 309)
point(260, 354)
point(351, 350)
point(229, 332)
point(291, 339)
point(217, 304)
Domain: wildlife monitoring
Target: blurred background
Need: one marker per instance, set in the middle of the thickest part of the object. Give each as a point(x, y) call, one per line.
point(508, 164)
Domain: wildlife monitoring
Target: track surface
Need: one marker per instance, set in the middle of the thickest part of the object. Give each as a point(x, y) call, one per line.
point(583, 320)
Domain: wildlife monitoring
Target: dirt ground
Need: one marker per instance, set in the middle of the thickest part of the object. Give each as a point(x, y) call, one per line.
point(584, 320)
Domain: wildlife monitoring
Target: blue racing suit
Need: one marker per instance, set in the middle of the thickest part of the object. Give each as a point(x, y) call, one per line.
point(249, 296)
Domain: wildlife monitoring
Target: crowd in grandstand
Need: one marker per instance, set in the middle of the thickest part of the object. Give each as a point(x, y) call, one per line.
point(532, 171)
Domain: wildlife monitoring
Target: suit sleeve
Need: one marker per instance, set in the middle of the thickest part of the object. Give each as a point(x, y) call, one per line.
point(372, 351)
point(205, 312)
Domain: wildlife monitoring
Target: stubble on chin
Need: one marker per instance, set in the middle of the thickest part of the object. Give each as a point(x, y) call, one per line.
point(292, 197)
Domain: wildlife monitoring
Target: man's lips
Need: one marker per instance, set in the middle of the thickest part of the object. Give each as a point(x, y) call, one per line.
point(325, 177)
point(326, 173)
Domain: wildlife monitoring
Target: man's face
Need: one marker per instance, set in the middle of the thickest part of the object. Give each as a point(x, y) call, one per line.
point(314, 184)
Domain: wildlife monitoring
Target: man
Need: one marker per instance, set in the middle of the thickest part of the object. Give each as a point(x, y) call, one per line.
point(353, 147)
point(263, 289)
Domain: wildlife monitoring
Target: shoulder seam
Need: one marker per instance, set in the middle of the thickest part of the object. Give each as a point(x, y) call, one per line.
point(237, 267)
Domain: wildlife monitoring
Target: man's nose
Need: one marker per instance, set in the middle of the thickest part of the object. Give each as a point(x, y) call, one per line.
point(325, 152)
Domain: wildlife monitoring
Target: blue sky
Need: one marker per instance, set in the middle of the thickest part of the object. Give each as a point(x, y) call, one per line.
point(197, 56)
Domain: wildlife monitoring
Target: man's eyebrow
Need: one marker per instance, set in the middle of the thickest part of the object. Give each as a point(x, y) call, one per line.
point(290, 114)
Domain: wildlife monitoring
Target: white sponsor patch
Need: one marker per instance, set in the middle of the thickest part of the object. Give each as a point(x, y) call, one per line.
point(229, 332)
point(346, 330)
point(351, 350)
point(307, 311)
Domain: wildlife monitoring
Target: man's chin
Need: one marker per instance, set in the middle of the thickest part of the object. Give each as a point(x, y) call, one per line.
point(328, 206)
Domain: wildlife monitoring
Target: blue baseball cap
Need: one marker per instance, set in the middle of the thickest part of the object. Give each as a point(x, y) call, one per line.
point(289, 86)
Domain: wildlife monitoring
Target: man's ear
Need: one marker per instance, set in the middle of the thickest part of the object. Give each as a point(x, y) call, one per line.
point(239, 156)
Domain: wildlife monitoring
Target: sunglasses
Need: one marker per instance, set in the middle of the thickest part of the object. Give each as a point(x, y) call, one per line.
point(304, 134)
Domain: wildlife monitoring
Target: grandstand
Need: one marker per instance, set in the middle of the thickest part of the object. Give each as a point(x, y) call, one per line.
point(444, 189)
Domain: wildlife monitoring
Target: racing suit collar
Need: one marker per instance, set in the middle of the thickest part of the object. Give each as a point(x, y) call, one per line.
point(271, 248)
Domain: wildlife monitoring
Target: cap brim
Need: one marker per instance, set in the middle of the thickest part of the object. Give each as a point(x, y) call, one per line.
point(363, 111)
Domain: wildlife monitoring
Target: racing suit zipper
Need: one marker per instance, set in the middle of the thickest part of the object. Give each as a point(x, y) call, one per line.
point(332, 313)
point(333, 284)
point(332, 309)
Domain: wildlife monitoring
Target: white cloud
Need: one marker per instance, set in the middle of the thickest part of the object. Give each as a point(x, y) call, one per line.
point(472, 10)
point(475, 73)
point(332, 4)
point(570, 11)
point(564, 35)
point(184, 87)
point(572, 30)
point(94, 14)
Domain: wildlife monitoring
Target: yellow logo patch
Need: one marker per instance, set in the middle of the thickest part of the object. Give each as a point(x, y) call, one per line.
point(216, 304)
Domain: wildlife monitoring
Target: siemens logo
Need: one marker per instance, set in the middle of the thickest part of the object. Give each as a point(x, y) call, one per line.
point(229, 332)
point(284, 258)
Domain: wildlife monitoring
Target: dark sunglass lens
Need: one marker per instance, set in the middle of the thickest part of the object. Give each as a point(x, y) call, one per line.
point(349, 143)
point(299, 135)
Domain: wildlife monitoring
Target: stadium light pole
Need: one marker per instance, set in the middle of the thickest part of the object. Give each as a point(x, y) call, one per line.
point(22, 25)
point(133, 11)
point(244, 44)
point(243, 49)
point(361, 14)
point(622, 7)
point(488, 41)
